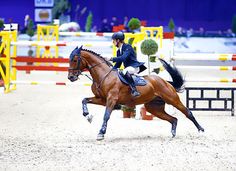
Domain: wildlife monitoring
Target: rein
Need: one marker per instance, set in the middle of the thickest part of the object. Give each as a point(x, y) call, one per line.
point(99, 85)
point(90, 68)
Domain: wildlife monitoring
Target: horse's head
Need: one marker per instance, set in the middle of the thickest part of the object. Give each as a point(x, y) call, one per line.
point(75, 67)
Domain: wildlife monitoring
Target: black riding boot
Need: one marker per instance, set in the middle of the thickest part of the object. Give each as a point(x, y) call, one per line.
point(130, 80)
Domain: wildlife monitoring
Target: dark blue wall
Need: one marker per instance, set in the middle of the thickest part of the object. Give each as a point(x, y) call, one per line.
point(15, 10)
point(210, 14)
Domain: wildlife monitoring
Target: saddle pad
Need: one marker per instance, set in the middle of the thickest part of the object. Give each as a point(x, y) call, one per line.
point(138, 80)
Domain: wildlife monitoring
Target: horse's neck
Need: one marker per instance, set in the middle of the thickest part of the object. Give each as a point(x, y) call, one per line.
point(97, 68)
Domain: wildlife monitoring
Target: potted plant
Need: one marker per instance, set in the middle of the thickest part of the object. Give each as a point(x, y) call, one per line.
point(128, 112)
point(134, 24)
point(149, 47)
point(152, 58)
point(30, 33)
point(145, 115)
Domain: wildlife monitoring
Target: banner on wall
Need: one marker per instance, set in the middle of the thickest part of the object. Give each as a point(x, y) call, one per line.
point(43, 15)
point(43, 3)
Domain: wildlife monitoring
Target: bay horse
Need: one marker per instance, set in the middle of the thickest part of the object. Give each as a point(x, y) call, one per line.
point(109, 91)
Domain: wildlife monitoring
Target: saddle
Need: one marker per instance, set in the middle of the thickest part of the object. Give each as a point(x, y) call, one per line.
point(138, 80)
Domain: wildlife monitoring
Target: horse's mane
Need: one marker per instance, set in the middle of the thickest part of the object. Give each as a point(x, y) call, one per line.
point(99, 56)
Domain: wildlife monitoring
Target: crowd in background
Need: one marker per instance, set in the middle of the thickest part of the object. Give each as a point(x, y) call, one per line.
point(107, 25)
point(201, 32)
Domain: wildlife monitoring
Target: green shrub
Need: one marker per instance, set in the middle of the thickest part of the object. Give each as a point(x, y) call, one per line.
point(234, 24)
point(134, 23)
point(60, 7)
point(1, 24)
point(89, 22)
point(171, 25)
point(127, 109)
point(30, 28)
point(149, 47)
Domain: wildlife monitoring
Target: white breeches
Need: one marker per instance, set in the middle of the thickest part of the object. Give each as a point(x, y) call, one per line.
point(131, 70)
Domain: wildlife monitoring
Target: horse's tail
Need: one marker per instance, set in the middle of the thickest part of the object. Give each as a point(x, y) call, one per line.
point(178, 80)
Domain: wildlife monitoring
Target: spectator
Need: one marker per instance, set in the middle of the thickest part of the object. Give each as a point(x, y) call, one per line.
point(114, 22)
point(180, 32)
point(26, 22)
point(105, 27)
point(189, 33)
point(126, 21)
point(229, 33)
point(220, 33)
point(94, 29)
point(200, 32)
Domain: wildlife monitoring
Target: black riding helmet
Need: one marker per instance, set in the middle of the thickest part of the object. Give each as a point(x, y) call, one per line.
point(118, 35)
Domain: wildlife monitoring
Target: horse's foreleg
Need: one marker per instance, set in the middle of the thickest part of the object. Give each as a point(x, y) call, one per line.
point(92, 100)
point(109, 107)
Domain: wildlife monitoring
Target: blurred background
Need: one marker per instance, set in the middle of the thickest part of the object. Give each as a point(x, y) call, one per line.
point(196, 16)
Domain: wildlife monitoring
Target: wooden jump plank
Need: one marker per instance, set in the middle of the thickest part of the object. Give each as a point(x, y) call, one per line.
point(41, 68)
point(45, 60)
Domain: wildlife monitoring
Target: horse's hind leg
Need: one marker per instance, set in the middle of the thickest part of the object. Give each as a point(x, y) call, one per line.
point(158, 109)
point(175, 101)
point(190, 116)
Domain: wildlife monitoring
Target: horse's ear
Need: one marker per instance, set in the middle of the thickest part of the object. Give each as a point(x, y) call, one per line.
point(77, 50)
point(80, 47)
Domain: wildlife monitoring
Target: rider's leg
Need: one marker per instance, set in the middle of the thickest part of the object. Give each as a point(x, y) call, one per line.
point(127, 73)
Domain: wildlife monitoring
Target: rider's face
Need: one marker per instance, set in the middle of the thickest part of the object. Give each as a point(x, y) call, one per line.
point(116, 42)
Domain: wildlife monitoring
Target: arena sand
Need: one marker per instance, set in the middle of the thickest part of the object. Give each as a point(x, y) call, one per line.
point(42, 128)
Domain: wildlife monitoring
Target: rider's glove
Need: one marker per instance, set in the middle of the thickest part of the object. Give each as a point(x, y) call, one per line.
point(108, 58)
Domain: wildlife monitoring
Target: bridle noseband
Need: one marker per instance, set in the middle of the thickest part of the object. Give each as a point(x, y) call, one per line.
point(79, 72)
point(77, 69)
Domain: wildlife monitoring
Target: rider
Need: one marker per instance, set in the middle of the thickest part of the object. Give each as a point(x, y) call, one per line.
point(127, 55)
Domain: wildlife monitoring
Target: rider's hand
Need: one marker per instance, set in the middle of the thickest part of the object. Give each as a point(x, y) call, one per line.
point(108, 58)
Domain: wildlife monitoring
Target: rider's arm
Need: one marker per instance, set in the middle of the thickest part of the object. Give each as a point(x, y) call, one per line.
point(123, 57)
point(117, 65)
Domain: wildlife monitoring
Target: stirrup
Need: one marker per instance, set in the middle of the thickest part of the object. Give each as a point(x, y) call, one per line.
point(135, 93)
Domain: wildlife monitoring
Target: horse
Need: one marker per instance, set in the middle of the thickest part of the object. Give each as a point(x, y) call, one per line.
point(110, 92)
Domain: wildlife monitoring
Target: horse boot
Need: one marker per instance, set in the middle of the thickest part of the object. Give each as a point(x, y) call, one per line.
point(130, 80)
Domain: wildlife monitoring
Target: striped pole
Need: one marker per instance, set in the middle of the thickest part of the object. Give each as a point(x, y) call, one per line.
point(222, 80)
point(61, 43)
point(222, 68)
point(221, 57)
point(51, 83)
point(85, 34)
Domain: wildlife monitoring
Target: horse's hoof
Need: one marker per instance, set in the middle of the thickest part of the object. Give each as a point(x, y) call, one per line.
point(89, 118)
point(173, 128)
point(200, 129)
point(173, 132)
point(100, 137)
